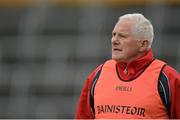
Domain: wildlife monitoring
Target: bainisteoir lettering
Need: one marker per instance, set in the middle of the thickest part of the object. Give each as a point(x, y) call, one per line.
point(120, 109)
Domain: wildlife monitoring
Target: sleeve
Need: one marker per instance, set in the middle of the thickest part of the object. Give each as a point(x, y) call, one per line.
point(83, 107)
point(174, 82)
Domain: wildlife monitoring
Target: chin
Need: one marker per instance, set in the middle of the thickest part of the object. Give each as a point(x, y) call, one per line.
point(115, 58)
point(118, 58)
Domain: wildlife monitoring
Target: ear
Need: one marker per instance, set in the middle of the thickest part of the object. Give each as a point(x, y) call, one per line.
point(143, 45)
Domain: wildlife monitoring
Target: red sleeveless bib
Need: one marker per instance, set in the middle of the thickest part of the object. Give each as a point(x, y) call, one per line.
point(138, 98)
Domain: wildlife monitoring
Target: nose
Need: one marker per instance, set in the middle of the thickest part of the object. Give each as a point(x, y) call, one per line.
point(115, 40)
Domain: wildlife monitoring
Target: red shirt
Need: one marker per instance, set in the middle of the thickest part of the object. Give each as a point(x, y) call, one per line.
point(129, 71)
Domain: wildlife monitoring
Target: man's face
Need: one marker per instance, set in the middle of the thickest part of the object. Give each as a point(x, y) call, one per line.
point(125, 47)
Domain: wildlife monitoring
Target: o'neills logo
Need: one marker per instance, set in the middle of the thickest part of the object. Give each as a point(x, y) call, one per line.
point(118, 109)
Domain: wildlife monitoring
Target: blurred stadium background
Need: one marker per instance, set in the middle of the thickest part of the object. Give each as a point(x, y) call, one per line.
point(49, 47)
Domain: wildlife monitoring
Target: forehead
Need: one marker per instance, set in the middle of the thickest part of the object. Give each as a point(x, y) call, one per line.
point(123, 26)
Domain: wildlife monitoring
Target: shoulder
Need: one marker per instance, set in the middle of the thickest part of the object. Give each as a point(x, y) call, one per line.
point(98, 68)
point(92, 75)
point(95, 71)
point(172, 76)
point(170, 72)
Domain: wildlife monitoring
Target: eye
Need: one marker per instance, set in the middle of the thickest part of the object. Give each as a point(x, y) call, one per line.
point(122, 35)
point(113, 33)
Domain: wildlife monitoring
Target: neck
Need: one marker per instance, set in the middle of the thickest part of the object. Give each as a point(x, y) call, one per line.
point(133, 68)
point(133, 58)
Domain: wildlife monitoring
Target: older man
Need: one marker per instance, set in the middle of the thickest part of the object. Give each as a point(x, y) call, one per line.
point(133, 84)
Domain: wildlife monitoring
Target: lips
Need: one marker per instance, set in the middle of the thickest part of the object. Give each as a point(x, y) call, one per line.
point(117, 49)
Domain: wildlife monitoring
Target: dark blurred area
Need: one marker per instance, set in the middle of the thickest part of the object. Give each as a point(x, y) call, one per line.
point(49, 47)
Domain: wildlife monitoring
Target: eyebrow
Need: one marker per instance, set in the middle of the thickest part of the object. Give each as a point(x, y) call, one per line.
point(123, 33)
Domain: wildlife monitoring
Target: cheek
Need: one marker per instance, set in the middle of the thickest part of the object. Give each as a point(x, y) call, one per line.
point(130, 48)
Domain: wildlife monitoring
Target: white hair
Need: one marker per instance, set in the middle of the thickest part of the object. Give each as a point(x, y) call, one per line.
point(142, 28)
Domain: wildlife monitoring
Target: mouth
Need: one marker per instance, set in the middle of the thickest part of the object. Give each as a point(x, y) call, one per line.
point(117, 49)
